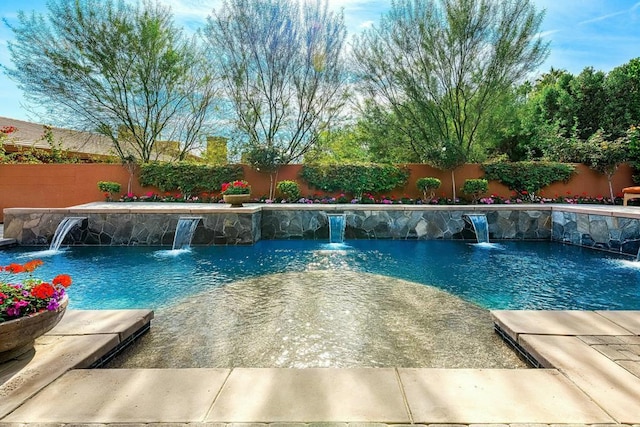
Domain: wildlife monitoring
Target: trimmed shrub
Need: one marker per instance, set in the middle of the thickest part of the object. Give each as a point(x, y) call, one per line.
point(289, 190)
point(355, 179)
point(109, 188)
point(427, 185)
point(527, 178)
point(188, 178)
point(475, 188)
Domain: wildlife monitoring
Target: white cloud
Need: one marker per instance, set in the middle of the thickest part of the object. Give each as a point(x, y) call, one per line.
point(603, 17)
point(546, 34)
point(366, 24)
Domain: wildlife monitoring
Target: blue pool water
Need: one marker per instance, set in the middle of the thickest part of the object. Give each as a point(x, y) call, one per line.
point(509, 275)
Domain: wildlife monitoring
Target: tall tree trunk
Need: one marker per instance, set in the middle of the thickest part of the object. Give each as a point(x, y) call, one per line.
point(453, 184)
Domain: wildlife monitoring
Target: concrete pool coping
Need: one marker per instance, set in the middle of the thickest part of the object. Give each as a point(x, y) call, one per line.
point(195, 208)
point(591, 374)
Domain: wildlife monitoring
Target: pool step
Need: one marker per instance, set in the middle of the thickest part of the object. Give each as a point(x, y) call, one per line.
point(82, 339)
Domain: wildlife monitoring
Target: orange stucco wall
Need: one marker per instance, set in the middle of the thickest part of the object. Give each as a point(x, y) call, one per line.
point(62, 185)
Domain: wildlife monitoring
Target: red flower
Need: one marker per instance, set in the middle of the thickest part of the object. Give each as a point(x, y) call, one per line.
point(62, 279)
point(15, 268)
point(32, 265)
point(43, 291)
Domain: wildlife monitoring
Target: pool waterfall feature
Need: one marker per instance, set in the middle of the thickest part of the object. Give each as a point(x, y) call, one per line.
point(606, 228)
point(337, 225)
point(185, 230)
point(480, 226)
point(63, 229)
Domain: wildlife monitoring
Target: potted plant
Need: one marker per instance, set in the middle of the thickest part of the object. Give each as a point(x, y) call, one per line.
point(29, 307)
point(236, 193)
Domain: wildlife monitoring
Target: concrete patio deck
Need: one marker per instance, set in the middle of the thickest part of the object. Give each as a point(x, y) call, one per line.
point(591, 376)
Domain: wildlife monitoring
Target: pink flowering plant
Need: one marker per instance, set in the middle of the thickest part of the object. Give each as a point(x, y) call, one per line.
point(235, 187)
point(23, 295)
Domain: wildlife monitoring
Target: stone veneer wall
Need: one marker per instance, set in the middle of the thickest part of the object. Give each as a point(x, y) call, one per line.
point(117, 229)
point(424, 224)
point(620, 234)
point(612, 229)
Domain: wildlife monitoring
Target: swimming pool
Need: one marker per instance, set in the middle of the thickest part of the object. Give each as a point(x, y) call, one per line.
point(508, 275)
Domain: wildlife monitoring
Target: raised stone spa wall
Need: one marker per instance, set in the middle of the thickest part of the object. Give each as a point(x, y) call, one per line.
point(614, 232)
point(36, 227)
point(615, 229)
point(409, 222)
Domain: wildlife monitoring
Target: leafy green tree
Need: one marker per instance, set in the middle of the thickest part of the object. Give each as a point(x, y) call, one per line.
point(561, 110)
point(589, 100)
point(343, 145)
point(622, 107)
point(605, 156)
point(267, 159)
point(283, 69)
point(441, 66)
point(105, 65)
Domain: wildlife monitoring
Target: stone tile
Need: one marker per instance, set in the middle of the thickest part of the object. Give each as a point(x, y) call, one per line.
point(53, 356)
point(125, 396)
point(613, 352)
point(628, 319)
point(630, 352)
point(529, 425)
point(496, 396)
point(596, 339)
point(612, 387)
point(630, 339)
point(87, 322)
point(569, 322)
point(631, 366)
point(310, 395)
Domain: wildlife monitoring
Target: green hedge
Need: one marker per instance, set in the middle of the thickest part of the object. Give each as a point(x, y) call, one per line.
point(189, 178)
point(528, 178)
point(355, 179)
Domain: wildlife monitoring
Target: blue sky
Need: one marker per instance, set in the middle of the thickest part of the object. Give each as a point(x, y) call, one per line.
point(599, 33)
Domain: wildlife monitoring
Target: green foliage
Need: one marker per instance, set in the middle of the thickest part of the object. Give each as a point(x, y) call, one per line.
point(109, 187)
point(633, 137)
point(427, 185)
point(283, 68)
point(561, 110)
point(475, 188)
point(442, 67)
point(264, 158)
point(289, 190)
point(188, 177)
point(527, 178)
point(355, 179)
point(622, 88)
point(603, 155)
point(99, 65)
point(343, 145)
